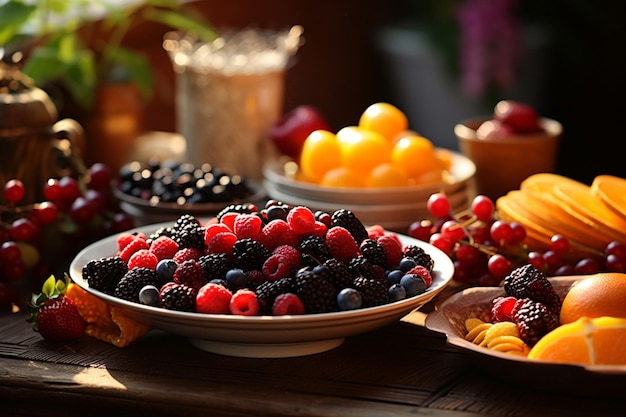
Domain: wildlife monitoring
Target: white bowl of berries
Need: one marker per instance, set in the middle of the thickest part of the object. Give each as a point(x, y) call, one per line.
point(275, 282)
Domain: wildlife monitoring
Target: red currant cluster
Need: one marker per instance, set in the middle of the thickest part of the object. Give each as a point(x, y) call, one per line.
point(485, 249)
point(34, 237)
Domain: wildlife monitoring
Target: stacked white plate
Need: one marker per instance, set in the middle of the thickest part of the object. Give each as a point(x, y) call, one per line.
point(394, 208)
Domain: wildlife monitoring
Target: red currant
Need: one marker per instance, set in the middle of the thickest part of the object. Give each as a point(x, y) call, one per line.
point(501, 232)
point(483, 208)
point(499, 265)
point(14, 190)
point(559, 244)
point(438, 205)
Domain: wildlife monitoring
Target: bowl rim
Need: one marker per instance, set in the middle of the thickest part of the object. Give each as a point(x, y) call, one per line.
point(465, 131)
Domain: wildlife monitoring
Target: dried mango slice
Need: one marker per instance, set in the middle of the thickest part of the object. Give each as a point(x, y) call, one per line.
point(502, 336)
point(106, 322)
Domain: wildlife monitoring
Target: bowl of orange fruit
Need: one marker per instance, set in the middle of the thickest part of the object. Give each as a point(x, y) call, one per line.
point(583, 352)
point(378, 168)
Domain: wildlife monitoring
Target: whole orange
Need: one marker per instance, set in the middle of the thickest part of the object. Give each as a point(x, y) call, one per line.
point(597, 295)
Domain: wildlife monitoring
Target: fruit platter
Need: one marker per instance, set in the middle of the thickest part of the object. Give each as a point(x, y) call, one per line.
point(260, 326)
point(539, 350)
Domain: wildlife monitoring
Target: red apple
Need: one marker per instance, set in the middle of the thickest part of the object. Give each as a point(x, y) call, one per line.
point(290, 131)
point(520, 116)
point(494, 129)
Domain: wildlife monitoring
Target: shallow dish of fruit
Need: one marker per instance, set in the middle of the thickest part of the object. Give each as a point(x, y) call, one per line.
point(162, 191)
point(468, 321)
point(267, 334)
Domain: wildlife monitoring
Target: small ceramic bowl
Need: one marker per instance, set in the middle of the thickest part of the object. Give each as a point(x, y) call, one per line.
point(502, 164)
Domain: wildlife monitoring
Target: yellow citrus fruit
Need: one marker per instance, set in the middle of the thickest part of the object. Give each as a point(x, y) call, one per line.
point(385, 119)
point(342, 177)
point(387, 175)
point(586, 341)
point(416, 155)
point(362, 150)
point(320, 153)
point(598, 295)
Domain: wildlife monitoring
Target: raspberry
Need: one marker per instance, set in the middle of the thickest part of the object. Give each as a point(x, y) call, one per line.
point(423, 272)
point(375, 231)
point(277, 233)
point(287, 303)
point(213, 299)
point(191, 273)
point(228, 220)
point(213, 229)
point(276, 267)
point(143, 258)
point(255, 277)
point(320, 229)
point(502, 309)
point(133, 246)
point(123, 239)
point(222, 243)
point(301, 220)
point(248, 226)
point(292, 254)
point(392, 247)
point(244, 303)
point(186, 254)
point(341, 244)
point(164, 247)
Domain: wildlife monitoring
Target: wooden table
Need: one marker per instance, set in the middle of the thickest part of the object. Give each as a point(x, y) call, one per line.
point(400, 370)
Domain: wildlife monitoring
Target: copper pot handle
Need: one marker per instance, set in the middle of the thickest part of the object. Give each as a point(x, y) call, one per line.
point(70, 143)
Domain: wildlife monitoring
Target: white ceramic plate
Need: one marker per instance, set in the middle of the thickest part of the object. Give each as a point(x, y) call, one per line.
point(265, 336)
point(449, 318)
point(462, 170)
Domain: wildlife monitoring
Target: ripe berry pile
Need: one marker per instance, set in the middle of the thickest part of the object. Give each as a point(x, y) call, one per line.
point(182, 183)
point(274, 261)
point(485, 248)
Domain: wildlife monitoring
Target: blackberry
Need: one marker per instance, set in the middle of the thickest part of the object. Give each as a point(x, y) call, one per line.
point(529, 282)
point(104, 274)
point(133, 281)
point(314, 251)
point(373, 292)
point(190, 236)
point(249, 254)
point(374, 253)
point(349, 221)
point(419, 256)
point(161, 231)
point(317, 294)
point(336, 272)
point(190, 273)
point(179, 297)
point(185, 220)
point(215, 265)
point(267, 291)
point(533, 319)
point(248, 208)
point(361, 266)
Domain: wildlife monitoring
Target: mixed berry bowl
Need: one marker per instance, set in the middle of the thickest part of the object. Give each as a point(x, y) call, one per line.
point(265, 335)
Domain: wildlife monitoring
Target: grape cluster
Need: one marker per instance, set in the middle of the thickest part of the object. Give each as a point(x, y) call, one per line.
point(35, 237)
point(485, 248)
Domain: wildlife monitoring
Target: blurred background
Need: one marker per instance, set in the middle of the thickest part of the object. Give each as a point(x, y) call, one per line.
point(564, 58)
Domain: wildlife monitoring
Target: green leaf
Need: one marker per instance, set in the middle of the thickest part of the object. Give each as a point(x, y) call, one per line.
point(13, 16)
point(49, 286)
point(181, 22)
point(137, 69)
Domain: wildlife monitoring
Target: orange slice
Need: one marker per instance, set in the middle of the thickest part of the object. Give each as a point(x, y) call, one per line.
point(612, 191)
point(104, 322)
point(598, 341)
point(544, 182)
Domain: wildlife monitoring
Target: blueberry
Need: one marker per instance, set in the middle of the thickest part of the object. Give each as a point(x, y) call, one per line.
point(396, 292)
point(394, 276)
point(413, 284)
point(406, 264)
point(236, 279)
point(149, 295)
point(349, 299)
point(165, 270)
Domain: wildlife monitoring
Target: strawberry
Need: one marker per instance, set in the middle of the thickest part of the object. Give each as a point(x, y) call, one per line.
point(55, 315)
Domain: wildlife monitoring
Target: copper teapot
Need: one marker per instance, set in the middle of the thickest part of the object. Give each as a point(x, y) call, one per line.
point(34, 144)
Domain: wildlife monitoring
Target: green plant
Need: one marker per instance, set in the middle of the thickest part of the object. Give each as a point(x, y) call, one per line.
point(79, 42)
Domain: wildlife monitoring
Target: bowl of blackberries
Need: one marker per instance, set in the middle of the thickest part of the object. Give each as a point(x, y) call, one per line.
point(158, 191)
